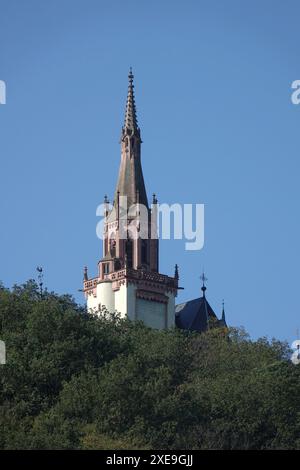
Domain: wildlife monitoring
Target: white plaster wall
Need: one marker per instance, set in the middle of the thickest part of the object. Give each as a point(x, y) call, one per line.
point(125, 301)
point(171, 311)
point(121, 300)
point(105, 297)
point(154, 314)
point(92, 303)
point(131, 301)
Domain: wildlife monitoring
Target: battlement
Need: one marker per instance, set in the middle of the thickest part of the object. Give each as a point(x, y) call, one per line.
point(133, 275)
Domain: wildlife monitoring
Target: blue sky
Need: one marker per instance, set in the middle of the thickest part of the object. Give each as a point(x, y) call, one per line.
point(213, 87)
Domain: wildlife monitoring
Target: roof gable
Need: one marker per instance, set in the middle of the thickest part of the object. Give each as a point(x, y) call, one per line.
point(194, 314)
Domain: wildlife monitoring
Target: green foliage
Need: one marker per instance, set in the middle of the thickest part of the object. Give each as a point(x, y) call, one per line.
point(77, 381)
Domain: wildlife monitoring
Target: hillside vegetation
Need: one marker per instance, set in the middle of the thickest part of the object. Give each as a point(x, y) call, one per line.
point(74, 381)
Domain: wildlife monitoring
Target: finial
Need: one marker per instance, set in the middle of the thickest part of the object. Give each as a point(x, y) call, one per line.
point(85, 274)
point(223, 311)
point(203, 279)
point(176, 275)
point(105, 199)
point(130, 76)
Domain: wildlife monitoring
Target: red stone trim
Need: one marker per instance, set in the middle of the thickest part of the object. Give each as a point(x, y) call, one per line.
point(145, 279)
point(152, 296)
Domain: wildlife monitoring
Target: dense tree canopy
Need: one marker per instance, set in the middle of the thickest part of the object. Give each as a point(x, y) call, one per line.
point(76, 381)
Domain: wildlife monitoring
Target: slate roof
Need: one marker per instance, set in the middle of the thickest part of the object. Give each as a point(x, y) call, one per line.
point(195, 314)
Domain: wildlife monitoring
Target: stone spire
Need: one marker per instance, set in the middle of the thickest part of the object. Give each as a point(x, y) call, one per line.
point(131, 181)
point(130, 123)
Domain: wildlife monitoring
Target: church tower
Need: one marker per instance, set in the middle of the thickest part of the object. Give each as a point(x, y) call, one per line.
point(128, 279)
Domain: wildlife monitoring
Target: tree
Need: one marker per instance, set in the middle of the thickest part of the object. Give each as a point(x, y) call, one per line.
point(74, 380)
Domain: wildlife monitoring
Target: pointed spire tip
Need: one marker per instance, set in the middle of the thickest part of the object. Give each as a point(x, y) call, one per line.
point(130, 112)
